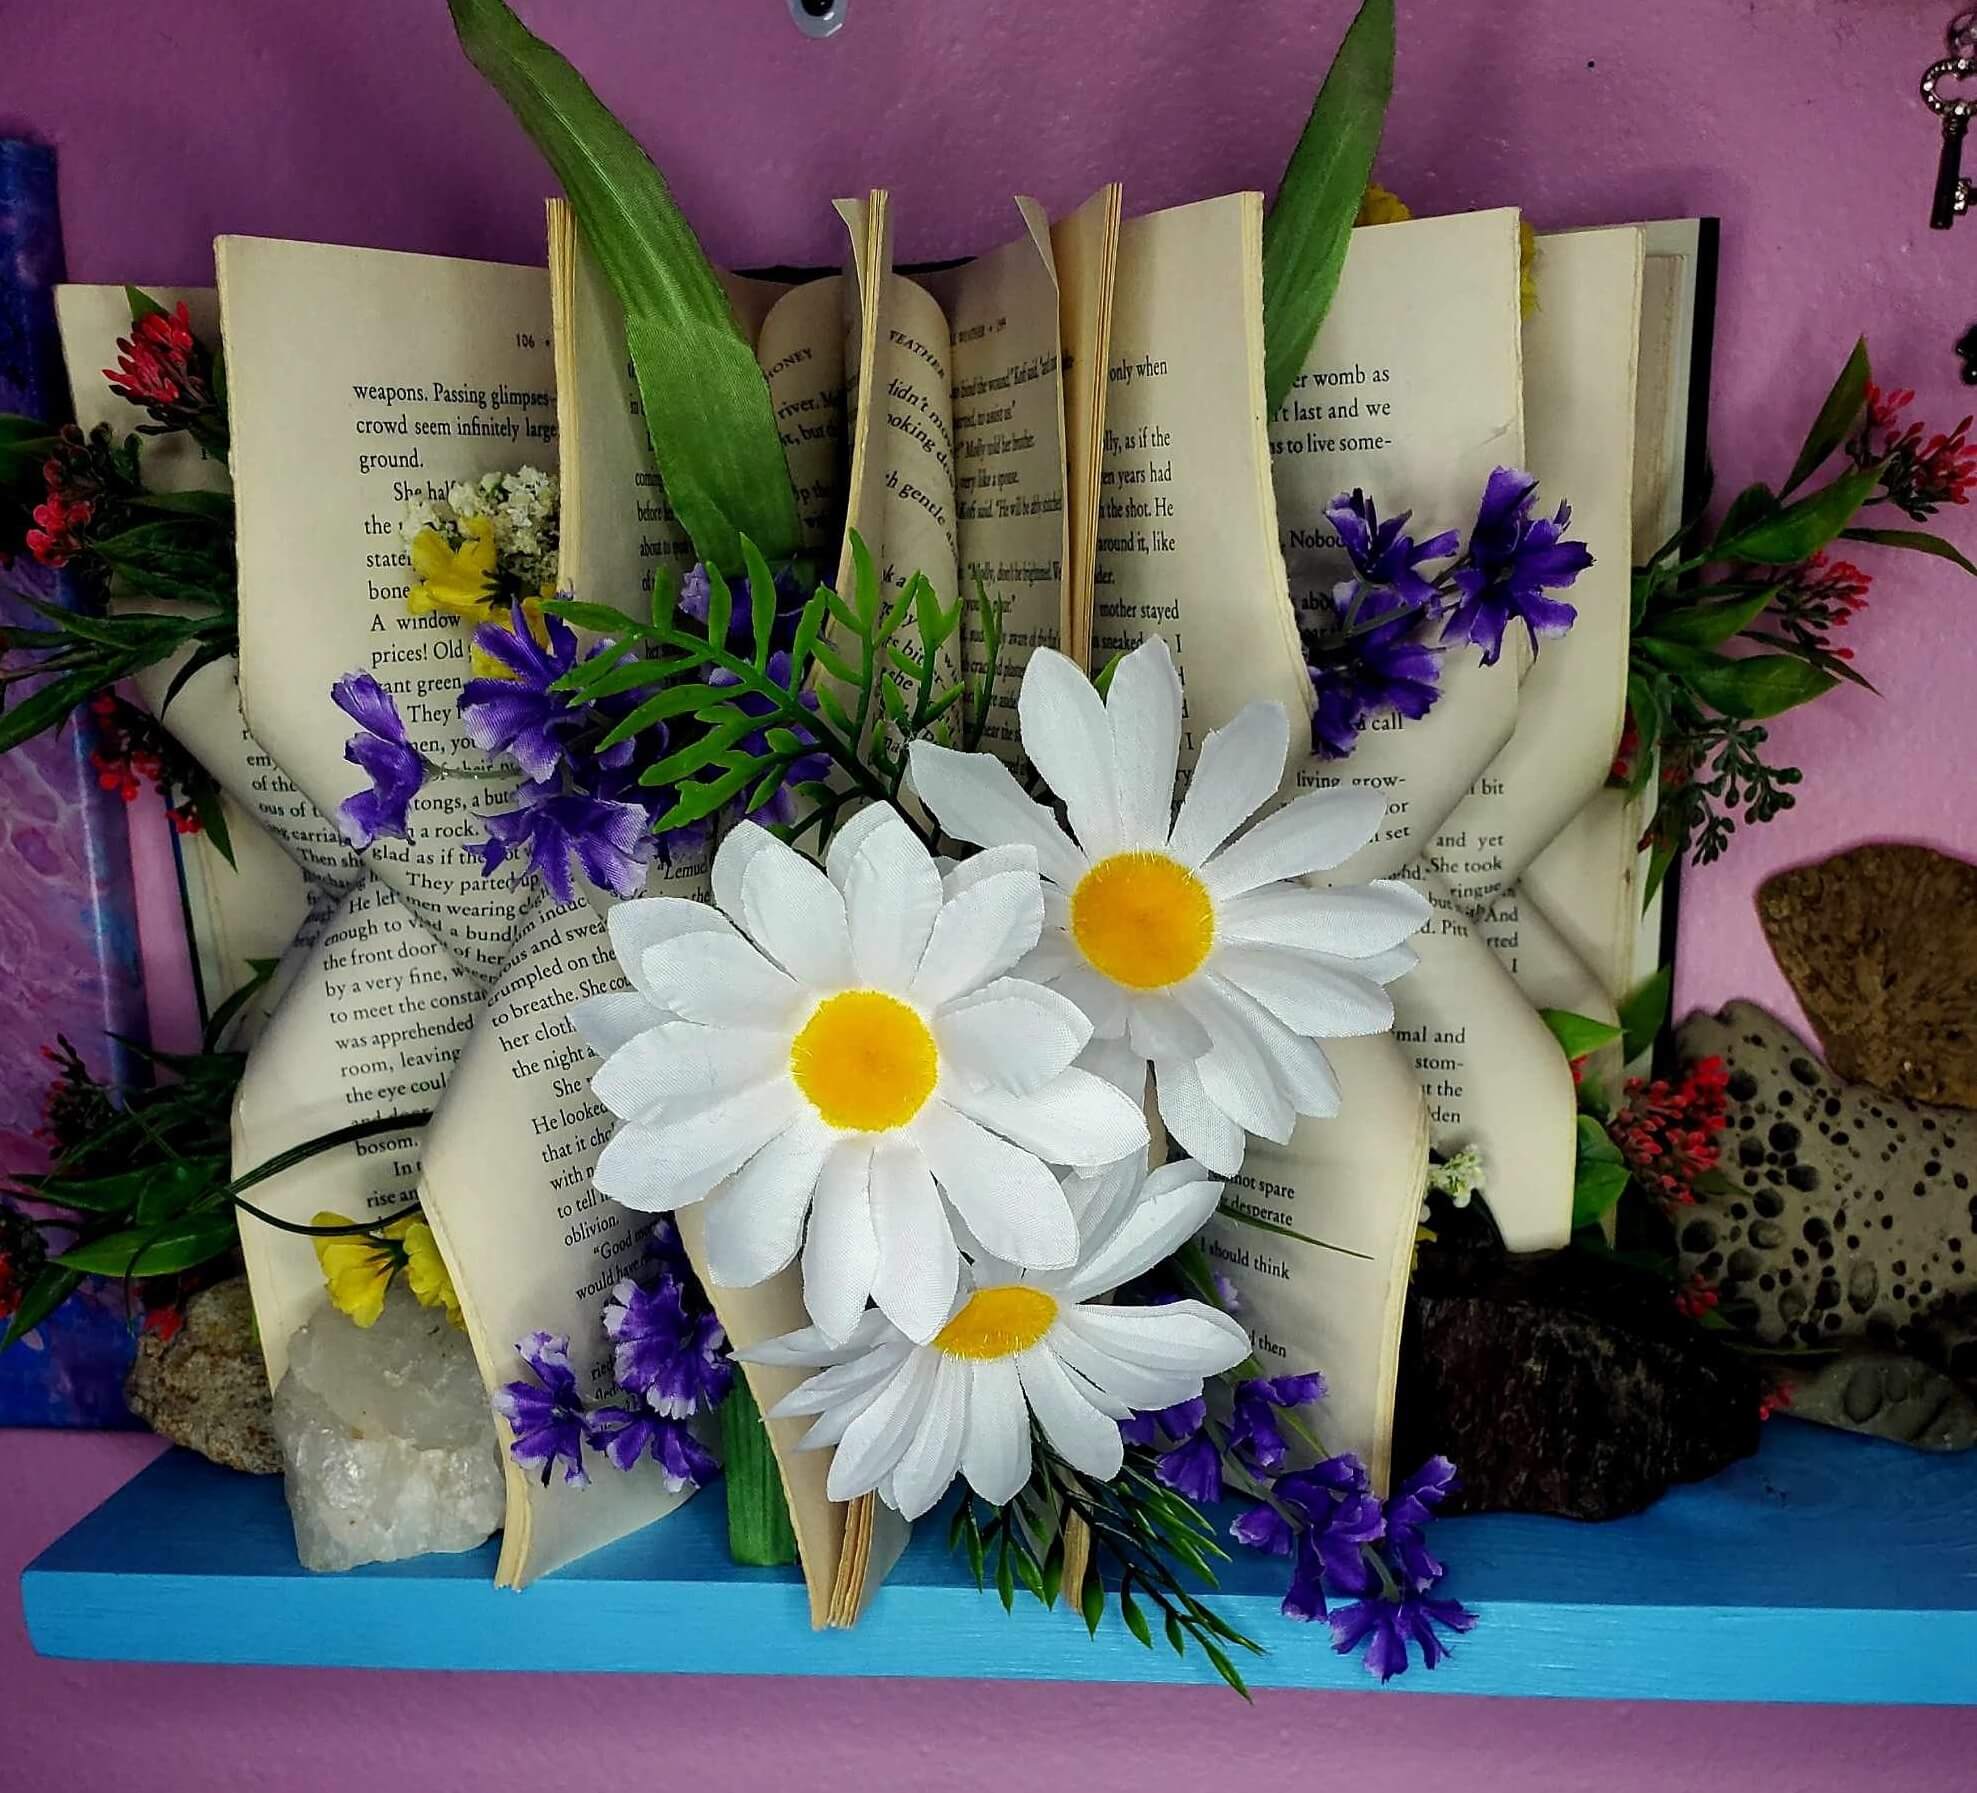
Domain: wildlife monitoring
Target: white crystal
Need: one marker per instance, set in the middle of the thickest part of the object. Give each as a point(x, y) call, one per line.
point(387, 1441)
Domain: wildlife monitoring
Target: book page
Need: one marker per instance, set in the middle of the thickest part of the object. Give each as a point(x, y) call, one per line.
point(420, 371)
point(801, 347)
point(1413, 391)
point(1186, 533)
point(1009, 464)
point(1085, 249)
point(1492, 1073)
point(1579, 352)
point(370, 1027)
point(1357, 1185)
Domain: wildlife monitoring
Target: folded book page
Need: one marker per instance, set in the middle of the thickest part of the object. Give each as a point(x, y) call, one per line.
point(1085, 251)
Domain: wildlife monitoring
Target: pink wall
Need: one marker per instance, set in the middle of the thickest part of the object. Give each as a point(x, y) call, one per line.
point(358, 122)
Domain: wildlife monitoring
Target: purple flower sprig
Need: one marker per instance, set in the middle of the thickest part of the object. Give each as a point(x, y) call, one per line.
point(1378, 653)
point(382, 752)
point(670, 1358)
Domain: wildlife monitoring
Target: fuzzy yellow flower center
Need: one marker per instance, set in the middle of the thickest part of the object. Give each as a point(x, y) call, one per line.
point(998, 1322)
point(1143, 919)
point(866, 1061)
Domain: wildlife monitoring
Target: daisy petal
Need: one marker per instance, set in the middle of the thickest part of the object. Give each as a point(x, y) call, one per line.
point(926, 1471)
point(744, 840)
point(678, 1064)
point(1238, 772)
point(671, 1165)
point(755, 1223)
point(1012, 1034)
point(841, 1254)
point(810, 1346)
point(855, 1394)
point(1309, 834)
point(795, 914)
point(878, 1437)
point(1084, 1437)
point(1237, 1073)
point(919, 1264)
point(719, 980)
point(1106, 1006)
point(1143, 706)
point(640, 925)
point(979, 935)
point(1134, 1385)
point(1352, 922)
point(1063, 720)
point(851, 836)
point(1298, 1065)
point(990, 862)
point(996, 1455)
point(1099, 1202)
point(1075, 1119)
point(1174, 1205)
point(612, 1020)
point(1384, 968)
point(977, 799)
point(892, 893)
point(1306, 995)
point(1188, 1339)
point(1011, 1203)
point(1159, 1027)
point(1198, 1126)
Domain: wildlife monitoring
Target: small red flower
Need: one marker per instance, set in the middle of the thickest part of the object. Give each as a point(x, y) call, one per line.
point(1774, 1400)
point(1667, 1132)
point(1695, 1298)
point(56, 538)
point(1922, 472)
point(164, 1323)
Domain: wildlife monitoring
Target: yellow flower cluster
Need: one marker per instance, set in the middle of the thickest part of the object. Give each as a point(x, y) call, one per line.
point(1378, 206)
point(358, 1267)
point(461, 582)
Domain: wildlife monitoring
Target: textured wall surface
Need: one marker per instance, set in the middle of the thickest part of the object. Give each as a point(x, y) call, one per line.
point(1794, 120)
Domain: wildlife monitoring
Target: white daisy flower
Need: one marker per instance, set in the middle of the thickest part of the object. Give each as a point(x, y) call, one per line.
point(845, 1045)
point(1198, 953)
point(905, 1417)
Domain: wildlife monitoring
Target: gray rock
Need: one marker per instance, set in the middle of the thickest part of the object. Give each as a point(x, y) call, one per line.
point(387, 1439)
point(1852, 1215)
point(1887, 1396)
point(207, 1386)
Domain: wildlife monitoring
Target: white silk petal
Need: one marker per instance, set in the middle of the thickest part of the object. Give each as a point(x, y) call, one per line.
point(795, 914)
point(1198, 1126)
point(645, 922)
point(718, 1139)
point(720, 981)
point(755, 1221)
point(892, 893)
point(1066, 736)
point(1239, 770)
point(1013, 1034)
point(990, 862)
point(1174, 1205)
point(1106, 1004)
point(926, 1470)
point(1143, 706)
point(996, 1455)
point(744, 840)
point(810, 1346)
point(1134, 1385)
point(641, 1167)
point(1309, 834)
point(1188, 1339)
point(1353, 921)
point(878, 1437)
point(1007, 1197)
point(1306, 995)
point(681, 1065)
point(851, 836)
point(919, 1264)
point(1075, 1119)
point(977, 799)
point(841, 1253)
point(1237, 1073)
point(613, 1019)
point(1159, 1027)
point(979, 935)
point(1084, 1437)
point(1298, 1065)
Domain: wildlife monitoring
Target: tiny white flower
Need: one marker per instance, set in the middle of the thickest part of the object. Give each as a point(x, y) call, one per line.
point(845, 1045)
point(1201, 954)
point(905, 1417)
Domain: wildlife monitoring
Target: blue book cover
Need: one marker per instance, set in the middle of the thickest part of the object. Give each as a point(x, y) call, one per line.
point(68, 924)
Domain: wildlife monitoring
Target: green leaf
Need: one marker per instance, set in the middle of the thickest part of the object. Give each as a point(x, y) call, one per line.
point(1595, 1188)
point(215, 508)
point(1914, 541)
point(864, 583)
point(1129, 1610)
point(808, 626)
point(1219, 1658)
point(141, 304)
point(600, 619)
point(971, 1539)
point(758, 1516)
point(1751, 505)
point(1271, 1226)
point(1644, 1011)
point(1175, 1635)
point(720, 607)
point(52, 704)
point(155, 1250)
point(211, 811)
point(699, 800)
point(1709, 625)
point(52, 1285)
point(697, 756)
point(663, 706)
point(171, 559)
point(1802, 528)
point(1836, 417)
point(1578, 1035)
point(707, 406)
point(1005, 1577)
point(1091, 1602)
point(222, 1017)
point(1310, 226)
point(1660, 862)
point(1028, 1572)
point(1762, 686)
point(170, 1189)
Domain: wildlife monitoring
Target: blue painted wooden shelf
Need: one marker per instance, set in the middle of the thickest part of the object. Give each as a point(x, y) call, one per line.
point(1827, 1569)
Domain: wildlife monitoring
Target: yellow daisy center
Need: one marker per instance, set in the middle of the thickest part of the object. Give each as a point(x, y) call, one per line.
point(998, 1322)
point(1143, 919)
point(866, 1061)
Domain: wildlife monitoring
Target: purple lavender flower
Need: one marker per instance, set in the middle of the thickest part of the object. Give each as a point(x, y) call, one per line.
point(611, 841)
point(522, 715)
point(1193, 1469)
point(1513, 558)
point(1163, 1426)
point(547, 1416)
point(1254, 1434)
point(696, 590)
point(1382, 554)
point(1339, 1515)
point(1385, 1626)
point(395, 767)
point(1408, 1513)
point(667, 1353)
point(624, 1436)
point(1355, 677)
point(780, 805)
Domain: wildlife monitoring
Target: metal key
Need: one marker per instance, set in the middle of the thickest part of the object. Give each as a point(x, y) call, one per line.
point(1953, 191)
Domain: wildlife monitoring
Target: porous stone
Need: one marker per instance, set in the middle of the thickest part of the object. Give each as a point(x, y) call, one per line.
point(1562, 1382)
point(1880, 945)
point(1886, 1395)
point(387, 1440)
point(206, 1387)
point(1850, 1216)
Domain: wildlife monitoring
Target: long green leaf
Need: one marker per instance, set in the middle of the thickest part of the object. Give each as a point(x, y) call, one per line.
point(758, 1515)
point(1915, 541)
point(51, 1286)
point(156, 1250)
point(1829, 429)
point(707, 405)
point(1306, 235)
point(1802, 528)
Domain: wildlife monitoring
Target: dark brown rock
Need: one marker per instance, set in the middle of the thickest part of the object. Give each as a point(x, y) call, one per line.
point(1562, 1382)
